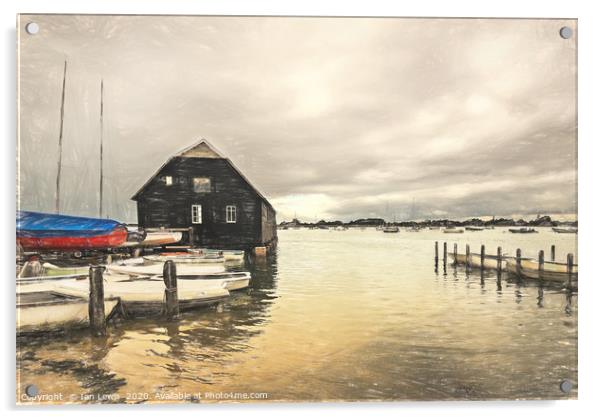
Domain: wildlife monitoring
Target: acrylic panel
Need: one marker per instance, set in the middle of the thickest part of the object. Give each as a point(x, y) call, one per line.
point(300, 209)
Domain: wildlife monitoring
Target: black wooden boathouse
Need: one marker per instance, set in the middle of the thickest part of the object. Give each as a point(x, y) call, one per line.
point(200, 188)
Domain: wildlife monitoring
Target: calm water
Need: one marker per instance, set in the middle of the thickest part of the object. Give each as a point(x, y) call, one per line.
point(349, 315)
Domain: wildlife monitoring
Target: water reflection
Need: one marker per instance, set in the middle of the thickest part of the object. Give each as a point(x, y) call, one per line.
point(355, 315)
point(181, 349)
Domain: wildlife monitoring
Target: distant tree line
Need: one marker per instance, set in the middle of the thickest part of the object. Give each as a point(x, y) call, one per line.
point(542, 221)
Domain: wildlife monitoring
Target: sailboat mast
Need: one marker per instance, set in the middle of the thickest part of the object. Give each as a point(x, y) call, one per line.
point(60, 160)
point(101, 144)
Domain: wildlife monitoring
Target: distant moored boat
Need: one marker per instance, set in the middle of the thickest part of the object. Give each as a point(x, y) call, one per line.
point(568, 230)
point(453, 230)
point(523, 230)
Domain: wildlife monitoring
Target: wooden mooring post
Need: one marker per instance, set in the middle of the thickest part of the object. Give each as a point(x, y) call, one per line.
point(436, 256)
point(540, 260)
point(499, 259)
point(553, 253)
point(444, 256)
point(569, 266)
point(518, 263)
point(96, 302)
point(455, 254)
point(172, 307)
point(467, 257)
point(482, 256)
point(191, 237)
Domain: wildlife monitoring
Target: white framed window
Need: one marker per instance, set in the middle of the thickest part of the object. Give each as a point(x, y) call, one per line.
point(197, 214)
point(230, 214)
point(168, 180)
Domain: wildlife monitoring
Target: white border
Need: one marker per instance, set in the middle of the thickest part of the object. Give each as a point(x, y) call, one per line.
point(590, 71)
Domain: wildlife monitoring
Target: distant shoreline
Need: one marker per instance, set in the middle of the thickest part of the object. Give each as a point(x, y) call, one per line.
point(543, 221)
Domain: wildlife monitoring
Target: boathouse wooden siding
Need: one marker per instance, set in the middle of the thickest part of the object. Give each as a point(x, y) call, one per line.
point(161, 204)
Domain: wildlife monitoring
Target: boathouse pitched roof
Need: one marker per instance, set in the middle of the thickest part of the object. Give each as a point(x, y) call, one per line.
point(202, 150)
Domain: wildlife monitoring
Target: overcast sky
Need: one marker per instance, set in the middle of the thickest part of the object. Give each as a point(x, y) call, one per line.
point(329, 118)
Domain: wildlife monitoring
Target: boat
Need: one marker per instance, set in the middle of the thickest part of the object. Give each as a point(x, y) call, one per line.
point(44, 232)
point(157, 268)
point(489, 261)
point(135, 235)
point(474, 228)
point(552, 271)
point(207, 272)
point(413, 229)
point(48, 311)
point(229, 255)
point(568, 230)
point(522, 230)
point(453, 230)
point(41, 308)
point(390, 229)
point(54, 270)
point(234, 255)
point(156, 239)
point(232, 281)
point(184, 257)
point(144, 297)
point(434, 228)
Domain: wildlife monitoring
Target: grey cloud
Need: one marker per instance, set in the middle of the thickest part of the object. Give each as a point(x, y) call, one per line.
point(354, 114)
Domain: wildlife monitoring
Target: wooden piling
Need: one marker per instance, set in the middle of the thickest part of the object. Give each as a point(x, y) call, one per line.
point(518, 263)
point(260, 251)
point(436, 256)
point(191, 237)
point(96, 302)
point(499, 259)
point(569, 266)
point(444, 255)
point(553, 253)
point(482, 256)
point(467, 257)
point(172, 308)
point(455, 254)
point(540, 260)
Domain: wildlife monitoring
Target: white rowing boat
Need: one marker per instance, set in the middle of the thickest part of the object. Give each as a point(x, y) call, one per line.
point(229, 255)
point(41, 308)
point(552, 271)
point(184, 257)
point(489, 262)
point(216, 273)
point(232, 281)
point(157, 269)
point(145, 296)
point(53, 311)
